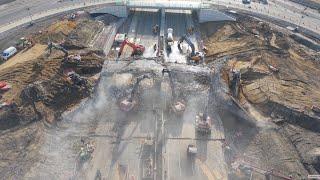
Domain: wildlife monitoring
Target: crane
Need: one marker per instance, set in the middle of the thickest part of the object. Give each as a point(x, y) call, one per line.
point(177, 106)
point(130, 102)
point(195, 56)
point(137, 48)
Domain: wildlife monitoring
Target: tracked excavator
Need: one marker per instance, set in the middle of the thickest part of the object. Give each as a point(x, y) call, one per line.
point(75, 59)
point(177, 105)
point(52, 45)
point(137, 49)
point(128, 103)
point(195, 57)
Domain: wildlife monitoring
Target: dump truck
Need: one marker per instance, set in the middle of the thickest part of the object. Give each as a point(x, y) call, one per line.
point(170, 35)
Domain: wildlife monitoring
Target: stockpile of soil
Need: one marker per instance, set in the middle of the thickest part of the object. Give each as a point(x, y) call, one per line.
point(40, 89)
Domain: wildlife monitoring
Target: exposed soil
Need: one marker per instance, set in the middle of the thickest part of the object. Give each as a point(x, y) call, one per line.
point(41, 89)
point(278, 86)
point(281, 97)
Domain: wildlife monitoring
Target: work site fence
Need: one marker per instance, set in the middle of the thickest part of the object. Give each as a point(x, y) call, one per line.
point(278, 10)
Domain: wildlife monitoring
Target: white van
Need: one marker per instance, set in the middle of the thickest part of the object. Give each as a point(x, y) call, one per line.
point(9, 52)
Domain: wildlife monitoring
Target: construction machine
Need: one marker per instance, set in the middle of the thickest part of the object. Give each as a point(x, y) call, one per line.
point(195, 57)
point(170, 35)
point(169, 40)
point(137, 49)
point(76, 79)
point(52, 45)
point(128, 103)
point(24, 43)
point(235, 78)
point(203, 123)
point(178, 106)
point(191, 150)
point(155, 29)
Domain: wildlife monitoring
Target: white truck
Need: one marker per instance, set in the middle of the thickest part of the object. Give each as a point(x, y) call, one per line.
point(170, 36)
point(9, 52)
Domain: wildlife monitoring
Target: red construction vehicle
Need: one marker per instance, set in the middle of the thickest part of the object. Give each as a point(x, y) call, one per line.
point(4, 86)
point(137, 48)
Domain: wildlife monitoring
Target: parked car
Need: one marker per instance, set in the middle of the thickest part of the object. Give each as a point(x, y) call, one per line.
point(9, 52)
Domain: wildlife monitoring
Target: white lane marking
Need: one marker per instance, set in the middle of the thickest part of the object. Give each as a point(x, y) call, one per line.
point(168, 164)
point(180, 163)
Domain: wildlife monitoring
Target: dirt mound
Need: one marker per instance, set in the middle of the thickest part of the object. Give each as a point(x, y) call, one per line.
point(42, 83)
point(73, 34)
point(279, 80)
point(84, 32)
point(64, 27)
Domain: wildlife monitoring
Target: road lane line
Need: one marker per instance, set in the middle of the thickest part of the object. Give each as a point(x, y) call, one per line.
point(180, 162)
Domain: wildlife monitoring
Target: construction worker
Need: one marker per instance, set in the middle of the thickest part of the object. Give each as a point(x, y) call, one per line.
point(155, 47)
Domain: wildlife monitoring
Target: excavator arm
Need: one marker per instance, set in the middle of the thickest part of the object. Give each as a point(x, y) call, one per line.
point(185, 38)
point(165, 70)
point(52, 45)
point(136, 49)
point(136, 85)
